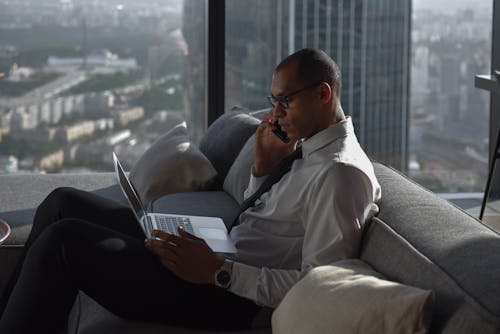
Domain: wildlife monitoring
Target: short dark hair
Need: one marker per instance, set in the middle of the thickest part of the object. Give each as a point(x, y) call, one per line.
point(314, 65)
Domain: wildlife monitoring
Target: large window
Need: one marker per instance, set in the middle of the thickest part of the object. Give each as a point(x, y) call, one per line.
point(368, 39)
point(408, 72)
point(79, 79)
point(451, 43)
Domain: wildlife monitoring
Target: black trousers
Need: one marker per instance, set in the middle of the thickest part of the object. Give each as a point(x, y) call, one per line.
point(80, 241)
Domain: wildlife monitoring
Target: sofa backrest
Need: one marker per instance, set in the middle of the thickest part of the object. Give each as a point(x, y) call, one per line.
point(422, 240)
point(418, 238)
point(224, 139)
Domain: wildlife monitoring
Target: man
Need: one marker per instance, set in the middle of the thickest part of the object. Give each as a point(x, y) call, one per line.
point(312, 216)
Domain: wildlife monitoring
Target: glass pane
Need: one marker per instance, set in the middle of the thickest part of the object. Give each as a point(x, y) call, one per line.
point(251, 52)
point(80, 79)
point(408, 76)
point(368, 39)
point(449, 126)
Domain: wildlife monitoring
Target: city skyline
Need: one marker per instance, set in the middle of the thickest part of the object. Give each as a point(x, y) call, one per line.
point(446, 5)
point(159, 42)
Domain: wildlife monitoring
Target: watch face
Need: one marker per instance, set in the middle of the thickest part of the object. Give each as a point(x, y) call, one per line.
point(223, 278)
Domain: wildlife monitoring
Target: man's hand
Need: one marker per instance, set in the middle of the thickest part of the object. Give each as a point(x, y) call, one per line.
point(269, 149)
point(188, 257)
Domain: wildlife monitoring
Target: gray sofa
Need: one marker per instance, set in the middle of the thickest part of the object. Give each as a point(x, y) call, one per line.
point(418, 238)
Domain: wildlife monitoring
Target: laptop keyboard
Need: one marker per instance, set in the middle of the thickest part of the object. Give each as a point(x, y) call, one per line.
point(170, 224)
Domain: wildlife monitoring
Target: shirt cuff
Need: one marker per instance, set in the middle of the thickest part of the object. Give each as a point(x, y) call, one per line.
point(243, 281)
point(254, 184)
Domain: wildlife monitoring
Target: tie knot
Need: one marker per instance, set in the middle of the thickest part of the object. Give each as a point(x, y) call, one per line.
point(298, 152)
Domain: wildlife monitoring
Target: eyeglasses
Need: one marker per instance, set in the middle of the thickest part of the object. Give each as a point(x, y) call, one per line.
point(284, 100)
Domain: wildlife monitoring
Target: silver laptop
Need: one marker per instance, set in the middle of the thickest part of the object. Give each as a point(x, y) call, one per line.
point(211, 229)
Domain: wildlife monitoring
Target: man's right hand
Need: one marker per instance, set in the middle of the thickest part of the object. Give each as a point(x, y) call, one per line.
point(269, 149)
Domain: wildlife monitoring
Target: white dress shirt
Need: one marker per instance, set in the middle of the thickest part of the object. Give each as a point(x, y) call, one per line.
point(313, 216)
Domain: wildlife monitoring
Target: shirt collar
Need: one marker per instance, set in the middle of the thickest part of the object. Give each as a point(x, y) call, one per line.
point(327, 136)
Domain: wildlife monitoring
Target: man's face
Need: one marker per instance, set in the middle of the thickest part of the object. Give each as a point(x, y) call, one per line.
point(305, 115)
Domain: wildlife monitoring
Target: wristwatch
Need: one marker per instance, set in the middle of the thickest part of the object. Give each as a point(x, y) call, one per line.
point(223, 274)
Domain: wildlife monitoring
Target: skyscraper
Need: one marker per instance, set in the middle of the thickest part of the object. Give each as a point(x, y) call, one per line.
point(369, 39)
point(193, 31)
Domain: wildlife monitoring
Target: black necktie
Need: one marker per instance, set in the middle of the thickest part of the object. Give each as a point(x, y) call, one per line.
point(283, 167)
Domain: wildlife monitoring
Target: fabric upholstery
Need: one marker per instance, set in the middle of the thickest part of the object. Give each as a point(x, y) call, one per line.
point(239, 174)
point(417, 239)
point(96, 320)
point(224, 139)
point(171, 165)
point(260, 113)
point(350, 297)
point(454, 310)
point(23, 193)
point(443, 233)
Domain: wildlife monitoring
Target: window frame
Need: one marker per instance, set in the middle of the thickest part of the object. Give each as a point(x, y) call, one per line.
point(215, 67)
point(215, 80)
point(495, 98)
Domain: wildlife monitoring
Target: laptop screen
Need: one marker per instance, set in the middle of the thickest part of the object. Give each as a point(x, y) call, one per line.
point(128, 189)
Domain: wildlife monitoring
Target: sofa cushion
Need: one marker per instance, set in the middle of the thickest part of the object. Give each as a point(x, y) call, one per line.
point(454, 310)
point(261, 113)
point(21, 196)
point(224, 139)
point(172, 164)
point(423, 240)
point(239, 174)
point(350, 297)
point(25, 192)
point(88, 317)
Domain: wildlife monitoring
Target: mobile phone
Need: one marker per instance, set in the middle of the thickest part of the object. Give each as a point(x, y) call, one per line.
point(280, 133)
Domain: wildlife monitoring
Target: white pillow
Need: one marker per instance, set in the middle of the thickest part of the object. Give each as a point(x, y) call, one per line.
point(171, 165)
point(350, 297)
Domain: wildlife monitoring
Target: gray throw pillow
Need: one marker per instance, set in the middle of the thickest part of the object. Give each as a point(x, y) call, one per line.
point(259, 114)
point(239, 174)
point(171, 165)
point(224, 139)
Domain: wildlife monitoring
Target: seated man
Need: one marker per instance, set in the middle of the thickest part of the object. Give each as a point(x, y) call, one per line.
point(313, 215)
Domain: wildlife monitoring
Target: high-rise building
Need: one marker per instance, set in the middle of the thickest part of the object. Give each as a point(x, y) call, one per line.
point(369, 39)
point(193, 30)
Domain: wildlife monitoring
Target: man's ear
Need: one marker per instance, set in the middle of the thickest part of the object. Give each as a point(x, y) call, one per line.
point(326, 93)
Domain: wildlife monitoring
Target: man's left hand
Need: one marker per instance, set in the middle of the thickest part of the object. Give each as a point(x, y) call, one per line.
point(187, 256)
